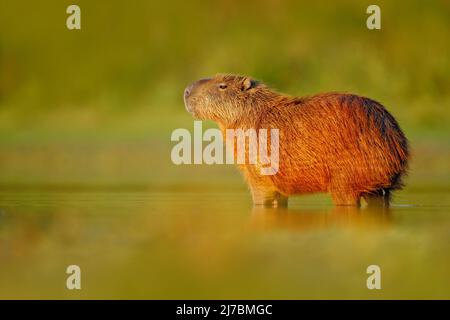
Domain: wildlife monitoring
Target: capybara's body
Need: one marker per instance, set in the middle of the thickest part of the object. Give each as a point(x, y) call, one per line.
point(344, 144)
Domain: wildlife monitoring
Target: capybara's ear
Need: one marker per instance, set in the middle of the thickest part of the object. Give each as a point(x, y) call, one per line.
point(247, 83)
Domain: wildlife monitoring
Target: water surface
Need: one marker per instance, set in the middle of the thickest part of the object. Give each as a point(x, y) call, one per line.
point(213, 244)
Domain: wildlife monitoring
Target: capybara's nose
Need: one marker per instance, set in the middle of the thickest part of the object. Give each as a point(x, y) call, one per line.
point(188, 90)
point(192, 86)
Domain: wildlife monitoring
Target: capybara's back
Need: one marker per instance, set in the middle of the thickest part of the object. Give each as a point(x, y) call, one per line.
point(344, 144)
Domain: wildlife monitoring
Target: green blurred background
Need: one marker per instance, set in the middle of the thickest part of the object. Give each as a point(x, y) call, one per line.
point(97, 105)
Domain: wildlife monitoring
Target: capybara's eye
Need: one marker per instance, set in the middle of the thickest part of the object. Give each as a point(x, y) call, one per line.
point(222, 86)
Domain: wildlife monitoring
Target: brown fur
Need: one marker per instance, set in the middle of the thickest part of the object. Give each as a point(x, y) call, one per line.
point(344, 144)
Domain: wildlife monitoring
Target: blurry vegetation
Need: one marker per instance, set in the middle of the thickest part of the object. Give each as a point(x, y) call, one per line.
point(122, 76)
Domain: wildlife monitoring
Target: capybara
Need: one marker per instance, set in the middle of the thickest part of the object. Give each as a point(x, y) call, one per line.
point(344, 144)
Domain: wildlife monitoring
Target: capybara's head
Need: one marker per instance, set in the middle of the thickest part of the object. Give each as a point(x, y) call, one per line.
point(224, 98)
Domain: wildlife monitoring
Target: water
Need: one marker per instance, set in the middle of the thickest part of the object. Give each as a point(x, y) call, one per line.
point(212, 244)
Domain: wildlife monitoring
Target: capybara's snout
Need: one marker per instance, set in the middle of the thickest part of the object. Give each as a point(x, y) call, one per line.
point(190, 91)
point(187, 93)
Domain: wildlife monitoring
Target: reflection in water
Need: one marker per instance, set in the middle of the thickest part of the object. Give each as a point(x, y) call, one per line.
point(215, 245)
point(300, 219)
point(21, 232)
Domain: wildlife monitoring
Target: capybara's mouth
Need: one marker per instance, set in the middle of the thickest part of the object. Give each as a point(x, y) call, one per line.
point(189, 107)
point(186, 95)
point(189, 104)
